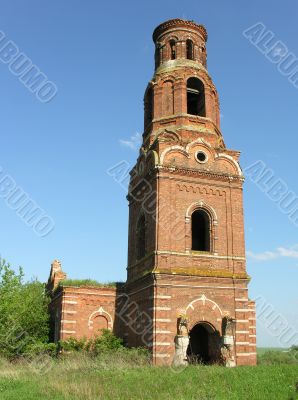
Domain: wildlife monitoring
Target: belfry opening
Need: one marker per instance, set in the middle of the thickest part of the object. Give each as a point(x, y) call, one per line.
point(196, 97)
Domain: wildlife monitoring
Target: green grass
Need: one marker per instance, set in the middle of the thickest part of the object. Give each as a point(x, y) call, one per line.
point(87, 282)
point(113, 377)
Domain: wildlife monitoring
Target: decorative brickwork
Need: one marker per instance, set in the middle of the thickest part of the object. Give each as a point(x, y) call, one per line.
point(185, 194)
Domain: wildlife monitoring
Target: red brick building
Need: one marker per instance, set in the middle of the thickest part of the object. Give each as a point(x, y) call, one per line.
point(186, 295)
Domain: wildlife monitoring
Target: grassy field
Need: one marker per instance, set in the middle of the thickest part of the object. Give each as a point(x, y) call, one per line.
point(82, 378)
point(263, 350)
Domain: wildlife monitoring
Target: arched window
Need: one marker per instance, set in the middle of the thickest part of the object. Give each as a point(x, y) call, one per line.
point(172, 50)
point(141, 237)
point(157, 55)
point(196, 97)
point(189, 49)
point(200, 225)
point(148, 106)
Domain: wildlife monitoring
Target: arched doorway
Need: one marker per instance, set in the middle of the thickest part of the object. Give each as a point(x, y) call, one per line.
point(204, 344)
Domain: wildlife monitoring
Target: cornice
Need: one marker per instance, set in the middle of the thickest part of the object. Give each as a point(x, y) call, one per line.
point(195, 172)
point(179, 23)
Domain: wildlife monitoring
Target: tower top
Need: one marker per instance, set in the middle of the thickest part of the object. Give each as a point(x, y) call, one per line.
point(177, 40)
point(182, 24)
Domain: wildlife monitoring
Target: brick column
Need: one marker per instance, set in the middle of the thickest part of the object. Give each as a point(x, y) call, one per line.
point(180, 99)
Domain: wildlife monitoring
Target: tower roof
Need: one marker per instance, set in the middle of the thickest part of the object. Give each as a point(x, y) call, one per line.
point(180, 23)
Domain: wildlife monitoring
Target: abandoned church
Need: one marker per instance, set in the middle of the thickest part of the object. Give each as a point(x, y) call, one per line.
point(186, 295)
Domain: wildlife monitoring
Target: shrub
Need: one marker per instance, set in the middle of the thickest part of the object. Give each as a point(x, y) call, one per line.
point(107, 348)
point(105, 342)
point(24, 319)
point(39, 348)
point(73, 344)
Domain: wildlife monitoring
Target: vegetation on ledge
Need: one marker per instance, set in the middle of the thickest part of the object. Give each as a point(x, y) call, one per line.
point(88, 282)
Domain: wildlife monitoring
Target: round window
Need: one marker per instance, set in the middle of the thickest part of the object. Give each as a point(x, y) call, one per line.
point(201, 157)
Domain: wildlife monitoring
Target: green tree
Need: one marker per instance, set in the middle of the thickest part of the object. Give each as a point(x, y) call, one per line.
point(24, 321)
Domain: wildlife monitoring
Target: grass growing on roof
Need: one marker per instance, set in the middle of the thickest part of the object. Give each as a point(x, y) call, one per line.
point(87, 282)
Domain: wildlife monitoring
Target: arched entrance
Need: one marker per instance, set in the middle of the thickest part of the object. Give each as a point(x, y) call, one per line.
point(204, 344)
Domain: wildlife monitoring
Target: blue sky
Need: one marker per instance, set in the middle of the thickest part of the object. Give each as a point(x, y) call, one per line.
point(100, 56)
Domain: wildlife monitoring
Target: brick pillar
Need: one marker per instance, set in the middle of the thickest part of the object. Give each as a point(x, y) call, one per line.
point(180, 101)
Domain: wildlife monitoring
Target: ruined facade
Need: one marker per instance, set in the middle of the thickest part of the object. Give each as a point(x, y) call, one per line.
point(186, 294)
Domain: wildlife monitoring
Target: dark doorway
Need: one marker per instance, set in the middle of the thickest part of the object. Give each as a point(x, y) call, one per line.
point(204, 344)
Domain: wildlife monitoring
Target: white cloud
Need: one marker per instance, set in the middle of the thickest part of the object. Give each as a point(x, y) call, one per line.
point(271, 255)
point(134, 142)
point(287, 252)
point(267, 255)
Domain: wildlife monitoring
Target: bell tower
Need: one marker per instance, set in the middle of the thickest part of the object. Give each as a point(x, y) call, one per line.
point(186, 252)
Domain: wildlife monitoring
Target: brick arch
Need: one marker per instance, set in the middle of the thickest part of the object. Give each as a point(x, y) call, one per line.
point(167, 78)
point(201, 142)
point(204, 206)
point(177, 149)
point(201, 205)
point(170, 36)
point(205, 310)
point(201, 77)
point(235, 165)
point(211, 326)
point(100, 313)
point(169, 136)
point(190, 36)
